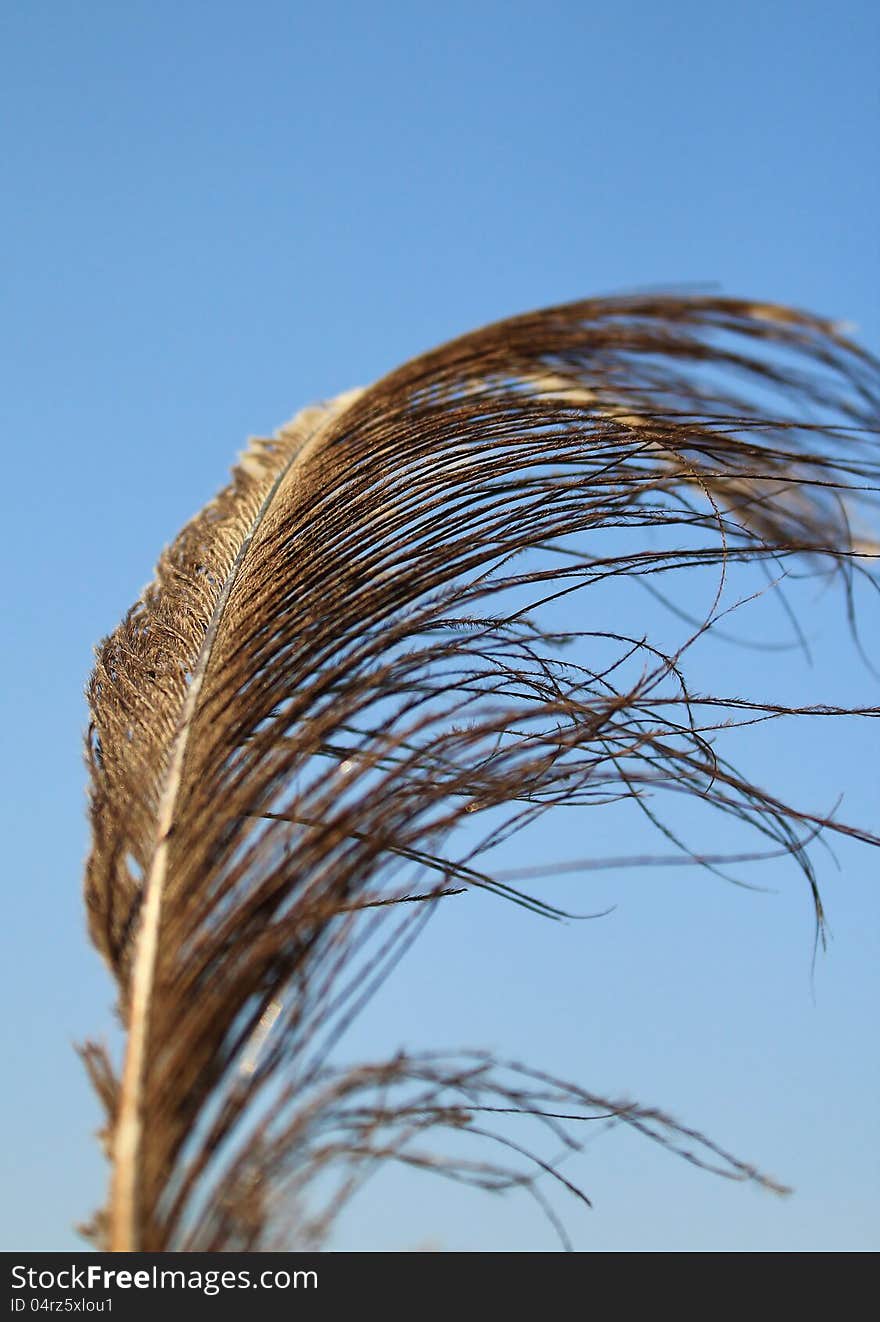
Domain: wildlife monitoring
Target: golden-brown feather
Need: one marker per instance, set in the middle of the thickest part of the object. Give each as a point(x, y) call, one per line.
point(352, 650)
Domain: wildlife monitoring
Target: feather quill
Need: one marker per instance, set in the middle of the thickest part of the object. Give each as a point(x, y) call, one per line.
point(353, 651)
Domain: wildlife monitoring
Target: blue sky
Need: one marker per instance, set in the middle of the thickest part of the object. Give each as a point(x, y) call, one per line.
point(216, 213)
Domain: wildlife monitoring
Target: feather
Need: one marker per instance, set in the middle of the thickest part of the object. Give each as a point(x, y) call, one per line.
point(348, 681)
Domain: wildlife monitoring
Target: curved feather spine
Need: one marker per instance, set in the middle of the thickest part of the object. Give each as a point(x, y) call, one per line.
point(125, 1229)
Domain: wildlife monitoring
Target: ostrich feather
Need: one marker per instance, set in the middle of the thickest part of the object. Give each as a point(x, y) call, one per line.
point(350, 680)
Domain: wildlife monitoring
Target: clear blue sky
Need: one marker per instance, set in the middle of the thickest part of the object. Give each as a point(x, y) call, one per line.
point(216, 213)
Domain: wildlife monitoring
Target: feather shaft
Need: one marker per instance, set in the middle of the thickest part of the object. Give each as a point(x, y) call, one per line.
point(125, 1214)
